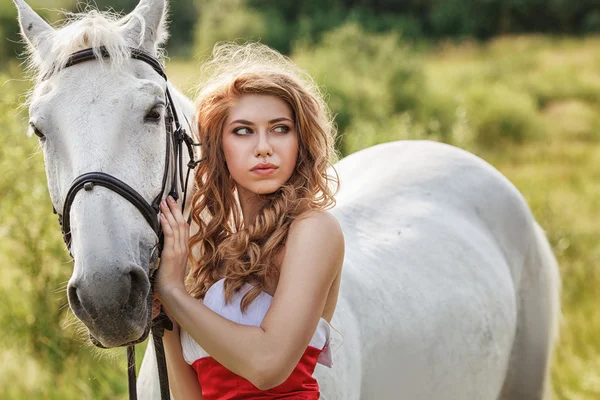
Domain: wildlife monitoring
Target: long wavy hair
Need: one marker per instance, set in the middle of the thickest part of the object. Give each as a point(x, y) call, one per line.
point(225, 245)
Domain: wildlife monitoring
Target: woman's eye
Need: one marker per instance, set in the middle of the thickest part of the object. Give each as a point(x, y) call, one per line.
point(153, 115)
point(242, 131)
point(282, 128)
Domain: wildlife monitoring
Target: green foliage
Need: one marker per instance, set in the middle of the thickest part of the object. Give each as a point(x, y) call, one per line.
point(198, 24)
point(309, 20)
point(453, 16)
point(231, 20)
point(367, 77)
point(406, 24)
point(182, 13)
point(498, 113)
point(372, 79)
point(11, 46)
point(591, 22)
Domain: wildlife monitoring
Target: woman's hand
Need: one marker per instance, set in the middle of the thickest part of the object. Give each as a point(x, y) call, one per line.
point(174, 256)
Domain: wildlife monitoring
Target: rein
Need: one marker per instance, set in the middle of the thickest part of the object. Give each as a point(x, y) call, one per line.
point(176, 135)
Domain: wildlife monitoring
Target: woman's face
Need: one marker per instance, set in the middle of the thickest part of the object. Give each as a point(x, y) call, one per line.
point(260, 143)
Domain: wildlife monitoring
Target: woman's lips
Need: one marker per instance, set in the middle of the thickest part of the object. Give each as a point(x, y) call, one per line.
point(264, 171)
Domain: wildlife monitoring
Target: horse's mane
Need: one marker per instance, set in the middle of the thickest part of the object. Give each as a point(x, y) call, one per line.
point(91, 28)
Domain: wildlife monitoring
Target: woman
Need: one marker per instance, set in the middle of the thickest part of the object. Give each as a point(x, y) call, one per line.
point(251, 315)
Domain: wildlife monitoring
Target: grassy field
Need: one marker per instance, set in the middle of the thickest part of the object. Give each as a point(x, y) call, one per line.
point(528, 105)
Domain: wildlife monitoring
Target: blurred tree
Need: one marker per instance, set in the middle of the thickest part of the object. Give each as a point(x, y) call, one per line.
point(183, 16)
point(197, 24)
point(231, 20)
point(591, 22)
point(368, 77)
point(11, 46)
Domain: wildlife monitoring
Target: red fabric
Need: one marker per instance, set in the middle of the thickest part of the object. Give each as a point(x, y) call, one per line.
point(218, 383)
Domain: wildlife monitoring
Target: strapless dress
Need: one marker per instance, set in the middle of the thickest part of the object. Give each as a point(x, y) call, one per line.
point(218, 383)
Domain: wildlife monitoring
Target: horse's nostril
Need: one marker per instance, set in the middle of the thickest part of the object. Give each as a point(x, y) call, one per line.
point(140, 286)
point(77, 305)
point(73, 298)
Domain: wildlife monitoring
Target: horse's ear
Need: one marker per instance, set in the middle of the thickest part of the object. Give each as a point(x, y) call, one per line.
point(34, 29)
point(146, 26)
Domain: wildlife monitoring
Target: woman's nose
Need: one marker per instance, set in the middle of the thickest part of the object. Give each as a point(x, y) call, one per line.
point(263, 146)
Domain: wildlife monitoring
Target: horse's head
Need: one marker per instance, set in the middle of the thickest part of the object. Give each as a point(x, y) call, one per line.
point(103, 115)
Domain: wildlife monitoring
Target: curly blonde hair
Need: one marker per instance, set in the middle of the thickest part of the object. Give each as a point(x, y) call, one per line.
point(226, 246)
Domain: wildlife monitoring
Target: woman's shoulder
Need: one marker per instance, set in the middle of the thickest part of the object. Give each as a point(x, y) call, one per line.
point(317, 227)
point(322, 220)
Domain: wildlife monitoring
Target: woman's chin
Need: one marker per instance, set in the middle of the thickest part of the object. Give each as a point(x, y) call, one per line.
point(265, 188)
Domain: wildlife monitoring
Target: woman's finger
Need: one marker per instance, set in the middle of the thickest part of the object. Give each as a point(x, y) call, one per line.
point(171, 221)
point(167, 233)
point(176, 210)
point(182, 225)
point(184, 230)
point(185, 234)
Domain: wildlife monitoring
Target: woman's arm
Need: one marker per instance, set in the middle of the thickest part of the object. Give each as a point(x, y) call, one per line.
point(265, 355)
point(183, 380)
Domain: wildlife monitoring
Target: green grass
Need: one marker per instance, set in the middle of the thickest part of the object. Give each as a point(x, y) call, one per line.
point(528, 105)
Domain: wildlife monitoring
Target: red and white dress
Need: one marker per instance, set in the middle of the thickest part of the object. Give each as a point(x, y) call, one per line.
point(218, 383)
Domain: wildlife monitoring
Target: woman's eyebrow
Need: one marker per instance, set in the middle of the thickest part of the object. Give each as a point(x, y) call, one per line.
point(246, 122)
point(241, 121)
point(273, 121)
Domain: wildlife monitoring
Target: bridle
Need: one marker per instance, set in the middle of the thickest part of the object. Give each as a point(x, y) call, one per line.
point(174, 164)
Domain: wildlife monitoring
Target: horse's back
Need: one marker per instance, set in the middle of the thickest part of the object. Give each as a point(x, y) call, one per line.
point(428, 186)
point(434, 241)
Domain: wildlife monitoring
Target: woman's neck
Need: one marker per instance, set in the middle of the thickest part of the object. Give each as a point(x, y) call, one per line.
point(250, 203)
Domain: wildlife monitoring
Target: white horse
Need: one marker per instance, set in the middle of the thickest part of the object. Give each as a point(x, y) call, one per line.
point(450, 290)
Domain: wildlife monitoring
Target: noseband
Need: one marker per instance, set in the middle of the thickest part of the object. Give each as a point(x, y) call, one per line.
point(176, 135)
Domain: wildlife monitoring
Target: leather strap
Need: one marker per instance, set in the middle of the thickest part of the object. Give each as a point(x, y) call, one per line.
point(131, 372)
point(159, 325)
point(89, 180)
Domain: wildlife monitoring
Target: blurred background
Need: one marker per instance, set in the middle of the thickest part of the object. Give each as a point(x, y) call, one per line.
point(516, 82)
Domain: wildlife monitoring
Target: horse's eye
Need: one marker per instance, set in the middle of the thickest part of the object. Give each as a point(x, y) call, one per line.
point(36, 131)
point(155, 114)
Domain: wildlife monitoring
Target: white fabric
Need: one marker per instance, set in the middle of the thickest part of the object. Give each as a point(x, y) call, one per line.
point(255, 313)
